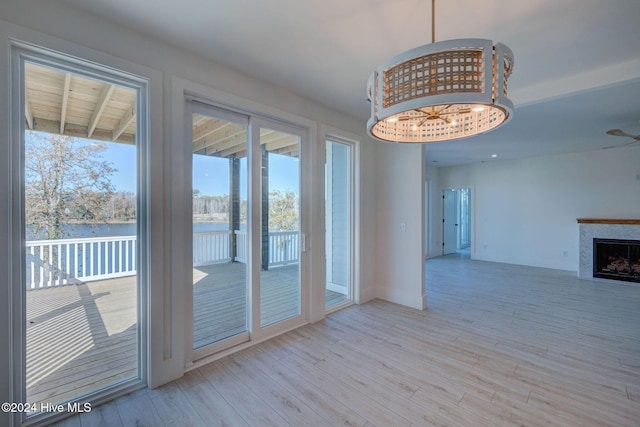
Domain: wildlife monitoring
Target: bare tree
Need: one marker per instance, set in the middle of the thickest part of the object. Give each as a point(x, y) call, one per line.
point(67, 181)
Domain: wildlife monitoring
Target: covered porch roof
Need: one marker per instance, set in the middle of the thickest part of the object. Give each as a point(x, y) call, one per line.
point(69, 104)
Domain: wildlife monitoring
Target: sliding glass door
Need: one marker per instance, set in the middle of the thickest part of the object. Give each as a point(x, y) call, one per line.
point(245, 193)
point(218, 144)
point(280, 291)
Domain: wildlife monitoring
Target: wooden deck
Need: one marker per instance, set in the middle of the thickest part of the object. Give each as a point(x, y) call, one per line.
point(81, 338)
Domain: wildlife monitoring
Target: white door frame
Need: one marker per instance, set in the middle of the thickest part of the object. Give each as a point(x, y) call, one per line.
point(22, 52)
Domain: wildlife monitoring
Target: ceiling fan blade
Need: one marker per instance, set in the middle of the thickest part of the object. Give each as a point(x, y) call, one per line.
point(619, 132)
point(623, 145)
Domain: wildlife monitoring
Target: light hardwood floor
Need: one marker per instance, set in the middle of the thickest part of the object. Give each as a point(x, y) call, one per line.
point(498, 345)
point(81, 338)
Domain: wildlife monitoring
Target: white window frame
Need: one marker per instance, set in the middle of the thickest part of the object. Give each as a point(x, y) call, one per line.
point(329, 133)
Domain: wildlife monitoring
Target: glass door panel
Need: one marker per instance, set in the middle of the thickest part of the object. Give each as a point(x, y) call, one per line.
point(280, 246)
point(338, 189)
point(219, 208)
point(81, 229)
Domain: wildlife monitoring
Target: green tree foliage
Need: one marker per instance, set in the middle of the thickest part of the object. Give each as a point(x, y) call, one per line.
point(283, 210)
point(67, 181)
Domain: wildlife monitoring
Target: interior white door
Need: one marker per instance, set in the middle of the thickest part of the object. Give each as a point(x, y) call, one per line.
point(449, 221)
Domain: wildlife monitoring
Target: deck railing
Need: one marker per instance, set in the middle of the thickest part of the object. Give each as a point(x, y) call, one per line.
point(283, 247)
point(69, 261)
point(241, 246)
point(211, 247)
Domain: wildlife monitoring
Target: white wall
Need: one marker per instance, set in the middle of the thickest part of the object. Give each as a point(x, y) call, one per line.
point(525, 211)
point(399, 259)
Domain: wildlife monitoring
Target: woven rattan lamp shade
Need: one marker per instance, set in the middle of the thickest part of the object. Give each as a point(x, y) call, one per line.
point(441, 91)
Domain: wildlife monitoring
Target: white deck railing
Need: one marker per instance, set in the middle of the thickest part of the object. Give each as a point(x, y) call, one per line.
point(69, 261)
point(241, 246)
point(211, 247)
point(283, 247)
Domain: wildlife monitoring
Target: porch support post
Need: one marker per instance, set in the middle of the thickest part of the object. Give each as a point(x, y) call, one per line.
point(234, 205)
point(265, 208)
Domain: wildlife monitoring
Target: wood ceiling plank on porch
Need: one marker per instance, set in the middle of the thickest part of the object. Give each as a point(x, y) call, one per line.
point(27, 112)
point(53, 127)
point(43, 102)
point(229, 145)
point(103, 100)
point(220, 144)
point(198, 119)
point(291, 150)
point(83, 99)
point(74, 101)
point(283, 141)
point(128, 118)
point(207, 127)
point(240, 154)
point(234, 150)
point(224, 137)
point(65, 101)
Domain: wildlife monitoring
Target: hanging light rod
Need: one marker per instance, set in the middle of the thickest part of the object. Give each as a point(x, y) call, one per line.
point(441, 91)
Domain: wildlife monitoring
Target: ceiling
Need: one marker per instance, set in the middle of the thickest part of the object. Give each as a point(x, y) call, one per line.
point(577, 62)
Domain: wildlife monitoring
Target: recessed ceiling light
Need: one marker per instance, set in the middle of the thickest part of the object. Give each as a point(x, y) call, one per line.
point(494, 155)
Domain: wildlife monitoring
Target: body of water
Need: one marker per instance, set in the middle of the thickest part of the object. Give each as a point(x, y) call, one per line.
point(122, 229)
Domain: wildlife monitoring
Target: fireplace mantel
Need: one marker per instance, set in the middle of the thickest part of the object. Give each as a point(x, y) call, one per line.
point(608, 221)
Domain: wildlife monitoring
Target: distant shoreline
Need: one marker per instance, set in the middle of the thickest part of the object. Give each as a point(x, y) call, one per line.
point(89, 224)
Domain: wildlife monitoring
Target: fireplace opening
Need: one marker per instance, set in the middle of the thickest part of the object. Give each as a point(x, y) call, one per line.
point(616, 259)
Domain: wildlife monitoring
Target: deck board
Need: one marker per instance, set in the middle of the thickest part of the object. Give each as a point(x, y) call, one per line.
point(81, 338)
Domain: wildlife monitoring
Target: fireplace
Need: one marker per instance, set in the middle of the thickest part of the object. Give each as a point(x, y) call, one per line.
point(605, 229)
point(616, 259)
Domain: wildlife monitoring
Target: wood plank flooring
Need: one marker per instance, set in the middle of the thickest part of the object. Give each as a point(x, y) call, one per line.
point(499, 345)
point(82, 338)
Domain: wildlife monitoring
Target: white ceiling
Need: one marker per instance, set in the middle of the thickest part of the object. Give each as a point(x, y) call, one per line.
point(577, 62)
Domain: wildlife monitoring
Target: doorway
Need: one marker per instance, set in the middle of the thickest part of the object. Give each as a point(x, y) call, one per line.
point(456, 220)
point(83, 272)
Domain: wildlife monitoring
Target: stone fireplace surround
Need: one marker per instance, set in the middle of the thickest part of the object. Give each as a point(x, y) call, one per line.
point(590, 228)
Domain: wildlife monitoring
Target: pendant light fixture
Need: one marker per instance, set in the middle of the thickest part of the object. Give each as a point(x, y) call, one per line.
point(441, 91)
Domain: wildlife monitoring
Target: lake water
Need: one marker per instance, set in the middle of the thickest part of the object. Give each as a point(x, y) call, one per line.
point(120, 229)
